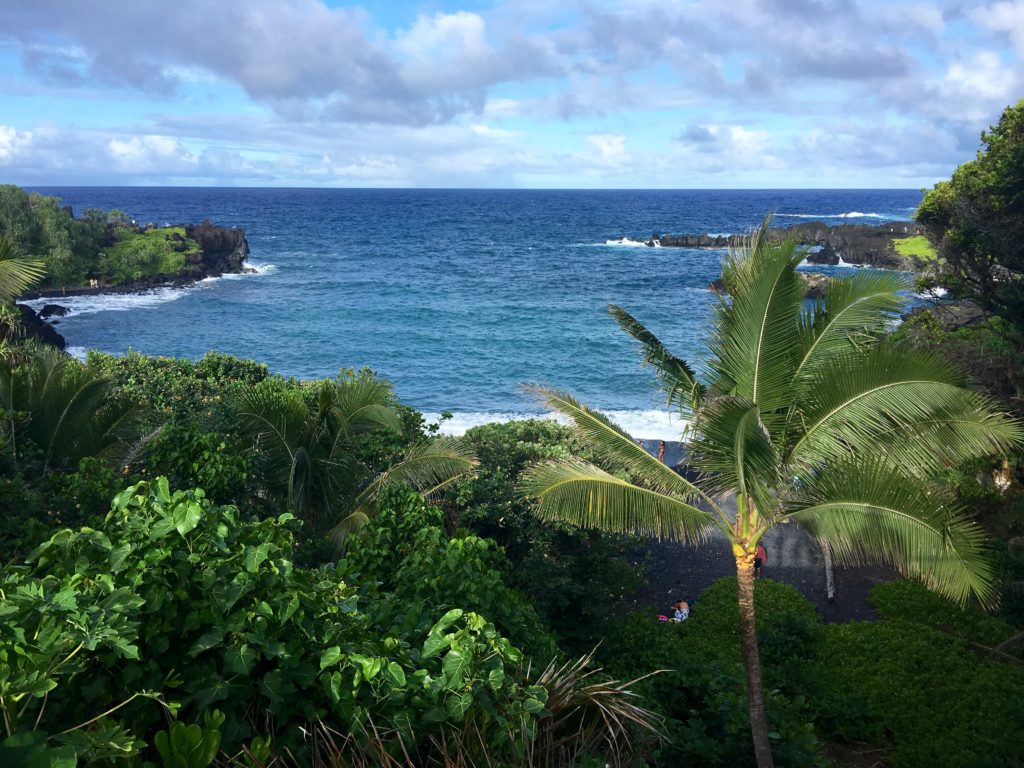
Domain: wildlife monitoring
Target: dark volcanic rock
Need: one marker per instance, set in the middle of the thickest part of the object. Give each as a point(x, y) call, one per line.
point(223, 249)
point(35, 327)
point(853, 243)
point(952, 315)
point(52, 310)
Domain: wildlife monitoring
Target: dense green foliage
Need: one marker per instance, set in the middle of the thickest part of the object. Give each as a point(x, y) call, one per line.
point(99, 245)
point(976, 221)
point(939, 704)
point(702, 693)
point(175, 596)
point(576, 579)
point(136, 254)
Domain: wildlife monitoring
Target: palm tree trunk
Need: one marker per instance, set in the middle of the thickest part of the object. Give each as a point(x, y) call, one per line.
point(752, 661)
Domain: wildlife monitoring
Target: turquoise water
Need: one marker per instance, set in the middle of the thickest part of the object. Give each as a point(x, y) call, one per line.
point(458, 297)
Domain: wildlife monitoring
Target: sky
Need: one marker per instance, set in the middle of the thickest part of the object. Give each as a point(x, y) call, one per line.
point(521, 94)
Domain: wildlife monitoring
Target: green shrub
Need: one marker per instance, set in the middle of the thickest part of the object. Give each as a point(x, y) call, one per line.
point(576, 580)
point(178, 388)
point(405, 549)
point(192, 458)
point(910, 601)
point(703, 692)
point(137, 254)
point(927, 692)
point(175, 595)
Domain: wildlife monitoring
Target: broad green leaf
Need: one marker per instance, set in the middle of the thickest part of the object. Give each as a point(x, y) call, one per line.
point(186, 516)
point(457, 705)
point(434, 644)
point(330, 657)
point(395, 674)
point(454, 666)
point(446, 621)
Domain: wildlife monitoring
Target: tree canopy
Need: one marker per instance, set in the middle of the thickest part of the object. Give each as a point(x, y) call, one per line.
point(976, 221)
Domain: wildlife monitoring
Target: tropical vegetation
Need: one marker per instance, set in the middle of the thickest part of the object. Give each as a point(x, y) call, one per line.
point(103, 245)
point(808, 415)
point(976, 218)
point(205, 563)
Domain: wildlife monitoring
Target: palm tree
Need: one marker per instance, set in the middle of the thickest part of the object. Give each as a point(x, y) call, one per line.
point(17, 272)
point(63, 408)
point(808, 414)
point(309, 455)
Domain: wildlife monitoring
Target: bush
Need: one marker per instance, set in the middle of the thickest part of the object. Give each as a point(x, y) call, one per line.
point(405, 550)
point(181, 389)
point(942, 706)
point(192, 458)
point(909, 601)
point(176, 596)
point(575, 579)
point(703, 692)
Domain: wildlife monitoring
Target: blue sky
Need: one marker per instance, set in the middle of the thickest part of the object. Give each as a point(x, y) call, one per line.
point(525, 93)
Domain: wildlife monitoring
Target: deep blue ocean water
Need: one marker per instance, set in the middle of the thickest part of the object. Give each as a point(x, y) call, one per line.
point(458, 297)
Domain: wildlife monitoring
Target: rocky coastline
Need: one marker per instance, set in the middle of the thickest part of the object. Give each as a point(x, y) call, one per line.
point(859, 244)
point(222, 250)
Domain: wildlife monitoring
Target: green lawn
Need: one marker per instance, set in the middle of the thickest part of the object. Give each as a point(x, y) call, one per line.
point(917, 247)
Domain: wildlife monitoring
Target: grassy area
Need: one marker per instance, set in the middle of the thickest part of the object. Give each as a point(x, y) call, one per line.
point(151, 252)
point(916, 247)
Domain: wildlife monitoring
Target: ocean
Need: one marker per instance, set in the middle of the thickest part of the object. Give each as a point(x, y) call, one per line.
point(458, 297)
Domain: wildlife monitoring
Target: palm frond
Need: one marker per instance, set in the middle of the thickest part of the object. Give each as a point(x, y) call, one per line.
point(754, 349)
point(618, 448)
point(909, 404)
point(677, 379)
point(17, 273)
point(735, 450)
point(275, 423)
point(869, 512)
point(865, 303)
point(366, 403)
point(427, 468)
point(588, 497)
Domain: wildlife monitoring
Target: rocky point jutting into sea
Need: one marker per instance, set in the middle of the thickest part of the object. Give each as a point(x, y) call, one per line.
point(222, 250)
point(861, 244)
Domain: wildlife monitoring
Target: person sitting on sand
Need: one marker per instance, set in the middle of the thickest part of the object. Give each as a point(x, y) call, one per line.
point(680, 611)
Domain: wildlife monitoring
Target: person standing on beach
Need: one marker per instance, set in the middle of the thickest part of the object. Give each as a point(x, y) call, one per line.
point(661, 451)
point(760, 558)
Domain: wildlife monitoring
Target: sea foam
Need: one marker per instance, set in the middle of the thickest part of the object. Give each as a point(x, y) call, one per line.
point(120, 302)
point(848, 215)
point(641, 424)
point(628, 242)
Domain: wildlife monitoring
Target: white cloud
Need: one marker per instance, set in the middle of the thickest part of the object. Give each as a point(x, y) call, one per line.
point(142, 154)
point(1005, 17)
point(12, 143)
point(606, 149)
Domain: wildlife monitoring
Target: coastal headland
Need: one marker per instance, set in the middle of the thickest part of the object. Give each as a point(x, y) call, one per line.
point(860, 244)
point(208, 251)
point(220, 251)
